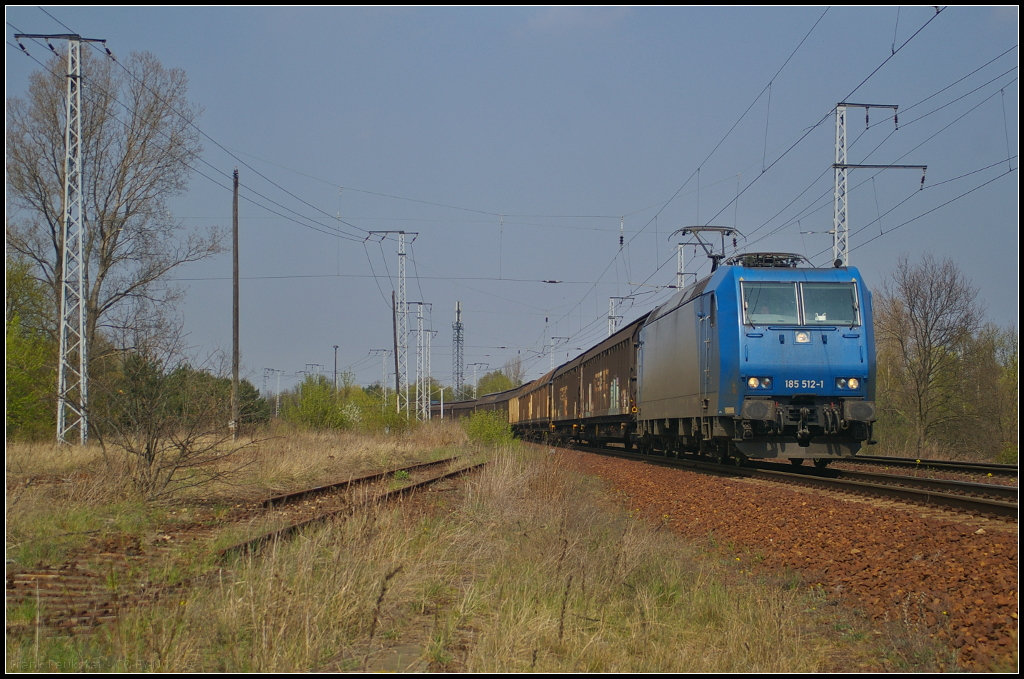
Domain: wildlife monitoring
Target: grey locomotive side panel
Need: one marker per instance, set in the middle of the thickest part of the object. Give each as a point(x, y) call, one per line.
point(670, 378)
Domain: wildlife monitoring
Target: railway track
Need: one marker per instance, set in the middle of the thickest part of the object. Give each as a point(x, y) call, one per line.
point(97, 587)
point(977, 498)
point(255, 543)
point(983, 468)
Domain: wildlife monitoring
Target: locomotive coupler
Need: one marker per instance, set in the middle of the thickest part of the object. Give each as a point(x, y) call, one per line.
point(803, 434)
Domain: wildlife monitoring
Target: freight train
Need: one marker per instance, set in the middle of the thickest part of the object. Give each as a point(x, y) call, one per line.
point(767, 357)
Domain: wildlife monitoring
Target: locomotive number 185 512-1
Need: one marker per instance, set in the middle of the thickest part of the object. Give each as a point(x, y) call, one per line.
point(805, 384)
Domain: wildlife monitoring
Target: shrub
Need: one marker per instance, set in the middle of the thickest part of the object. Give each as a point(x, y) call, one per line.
point(490, 427)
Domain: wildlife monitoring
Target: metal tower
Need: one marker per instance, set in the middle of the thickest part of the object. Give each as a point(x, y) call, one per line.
point(474, 366)
point(403, 330)
point(419, 362)
point(613, 319)
point(422, 364)
point(402, 324)
point(840, 225)
point(458, 359)
point(680, 267)
point(73, 372)
point(840, 199)
point(426, 375)
point(73, 378)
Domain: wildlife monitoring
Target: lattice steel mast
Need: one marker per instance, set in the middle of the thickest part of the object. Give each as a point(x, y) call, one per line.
point(840, 199)
point(422, 364)
point(73, 371)
point(458, 359)
point(402, 326)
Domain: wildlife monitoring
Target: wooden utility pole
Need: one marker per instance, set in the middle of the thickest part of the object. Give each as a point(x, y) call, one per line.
point(234, 313)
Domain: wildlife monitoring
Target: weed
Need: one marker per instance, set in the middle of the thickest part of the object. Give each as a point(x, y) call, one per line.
point(490, 427)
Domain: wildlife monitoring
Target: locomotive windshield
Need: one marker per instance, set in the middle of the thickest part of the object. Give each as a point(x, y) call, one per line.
point(830, 304)
point(769, 303)
point(804, 304)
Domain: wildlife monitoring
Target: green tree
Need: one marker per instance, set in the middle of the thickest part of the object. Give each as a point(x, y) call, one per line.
point(493, 382)
point(253, 407)
point(31, 355)
point(988, 395)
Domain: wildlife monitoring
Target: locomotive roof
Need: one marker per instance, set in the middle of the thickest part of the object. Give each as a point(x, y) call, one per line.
point(777, 266)
point(769, 260)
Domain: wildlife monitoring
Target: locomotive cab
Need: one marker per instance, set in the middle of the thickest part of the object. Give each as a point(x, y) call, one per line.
point(768, 357)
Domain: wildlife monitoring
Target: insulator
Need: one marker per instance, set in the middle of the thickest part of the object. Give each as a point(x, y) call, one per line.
point(23, 48)
point(734, 242)
point(896, 119)
point(620, 241)
point(52, 48)
point(866, 125)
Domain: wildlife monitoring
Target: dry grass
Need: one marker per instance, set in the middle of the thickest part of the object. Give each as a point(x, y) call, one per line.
point(526, 569)
point(58, 497)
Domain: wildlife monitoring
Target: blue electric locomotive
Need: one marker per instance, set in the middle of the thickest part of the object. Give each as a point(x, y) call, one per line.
point(767, 357)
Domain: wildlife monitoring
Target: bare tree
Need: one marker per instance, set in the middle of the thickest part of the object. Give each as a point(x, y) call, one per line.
point(165, 419)
point(138, 141)
point(514, 370)
point(926, 318)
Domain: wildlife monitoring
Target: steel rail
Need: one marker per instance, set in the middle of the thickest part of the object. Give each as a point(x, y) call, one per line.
point(994, 491)
point(977, 467)
point(254, 544)
point(309, 492)
point(998, 508)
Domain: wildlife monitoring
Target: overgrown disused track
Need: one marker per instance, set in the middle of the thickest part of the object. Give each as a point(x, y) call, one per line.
point(108, 577)
point(253, 544)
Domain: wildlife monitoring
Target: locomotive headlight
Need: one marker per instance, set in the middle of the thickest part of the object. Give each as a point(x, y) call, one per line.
point(803, 337)
point(759, 383)
point(847, 383)
point(853, 383)
point(753, 382)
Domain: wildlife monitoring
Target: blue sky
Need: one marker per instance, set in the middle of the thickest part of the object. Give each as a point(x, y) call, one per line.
point(517, 141)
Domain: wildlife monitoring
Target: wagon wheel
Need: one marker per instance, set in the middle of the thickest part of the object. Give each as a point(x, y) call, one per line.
point(821, 462)
point(797, 461)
